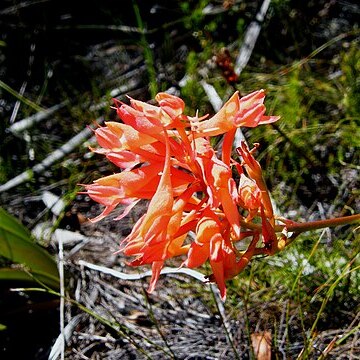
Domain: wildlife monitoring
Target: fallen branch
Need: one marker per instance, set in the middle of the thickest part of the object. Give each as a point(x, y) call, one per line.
point(250, 38)
point(213, 96)
point(51, 159)
point(28, 122)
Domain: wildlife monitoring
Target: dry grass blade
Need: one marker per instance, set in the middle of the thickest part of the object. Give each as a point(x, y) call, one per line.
point(68, 332)
point(55, 156)
point(28, 122)
point(250, 38)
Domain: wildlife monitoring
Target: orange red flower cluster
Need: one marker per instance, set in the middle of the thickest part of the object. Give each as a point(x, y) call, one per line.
point(166, 157)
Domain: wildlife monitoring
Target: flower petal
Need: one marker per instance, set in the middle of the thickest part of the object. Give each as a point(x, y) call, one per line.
point(156, 270)
point(172, 105)
point(222, 121)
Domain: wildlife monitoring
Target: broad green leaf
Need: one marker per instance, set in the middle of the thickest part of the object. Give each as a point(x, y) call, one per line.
point(2, 327)
point(22, 273)
point(16, 244)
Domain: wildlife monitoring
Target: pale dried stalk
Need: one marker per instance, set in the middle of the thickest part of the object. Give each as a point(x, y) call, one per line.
point(58, 154)
point(250, 38)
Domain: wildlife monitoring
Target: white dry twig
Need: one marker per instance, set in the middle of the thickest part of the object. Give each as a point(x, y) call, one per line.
point(250, 38)
point(213, 96)
point(53, 202)
point(28, 122)
point(59, 343)
point(123, 276)
point(51, 159)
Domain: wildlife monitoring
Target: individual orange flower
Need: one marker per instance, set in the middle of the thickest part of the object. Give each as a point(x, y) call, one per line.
point(249, 196)
point(117, 136)
point(209, 244)
point(246, 111)
point(129, 186)
point(139, 121)
point(213, 243)
point(253, 168)
point(172, 105)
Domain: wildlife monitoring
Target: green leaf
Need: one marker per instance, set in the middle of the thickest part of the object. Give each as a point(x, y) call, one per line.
point(17, 245)
point(2, 327)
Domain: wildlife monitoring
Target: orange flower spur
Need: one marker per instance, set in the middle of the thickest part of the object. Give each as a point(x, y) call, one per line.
point(166, 157)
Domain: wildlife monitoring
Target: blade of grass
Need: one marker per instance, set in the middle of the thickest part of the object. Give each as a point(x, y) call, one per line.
point(20, 97)
point(114, 325)
point(221, 311)
point(312, 334)
point(306, 59)
point(296, 283)
point(148, 54)
point(157, 325)
point(20, 273)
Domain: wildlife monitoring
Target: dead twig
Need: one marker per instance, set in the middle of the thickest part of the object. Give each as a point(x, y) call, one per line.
point(58, 154)
point(250, 38)
point(120, 275)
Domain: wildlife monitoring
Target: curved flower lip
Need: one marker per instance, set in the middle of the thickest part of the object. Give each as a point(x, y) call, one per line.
point(107, 139)
point(128, 137)
point(253, 116)
point(172, 105)
point(249, 193)
point(170, 110)
point(124, 159)
point(222, 122)
point(207, 228)
point(137, 120)
point(213, 244)
point(249, 197)
point(246, 111)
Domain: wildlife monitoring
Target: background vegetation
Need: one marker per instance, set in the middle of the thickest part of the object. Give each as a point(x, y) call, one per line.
point(306, 57)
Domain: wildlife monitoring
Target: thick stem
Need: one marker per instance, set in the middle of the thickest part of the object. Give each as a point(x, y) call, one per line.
point(320, 224)
point(307, 226)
